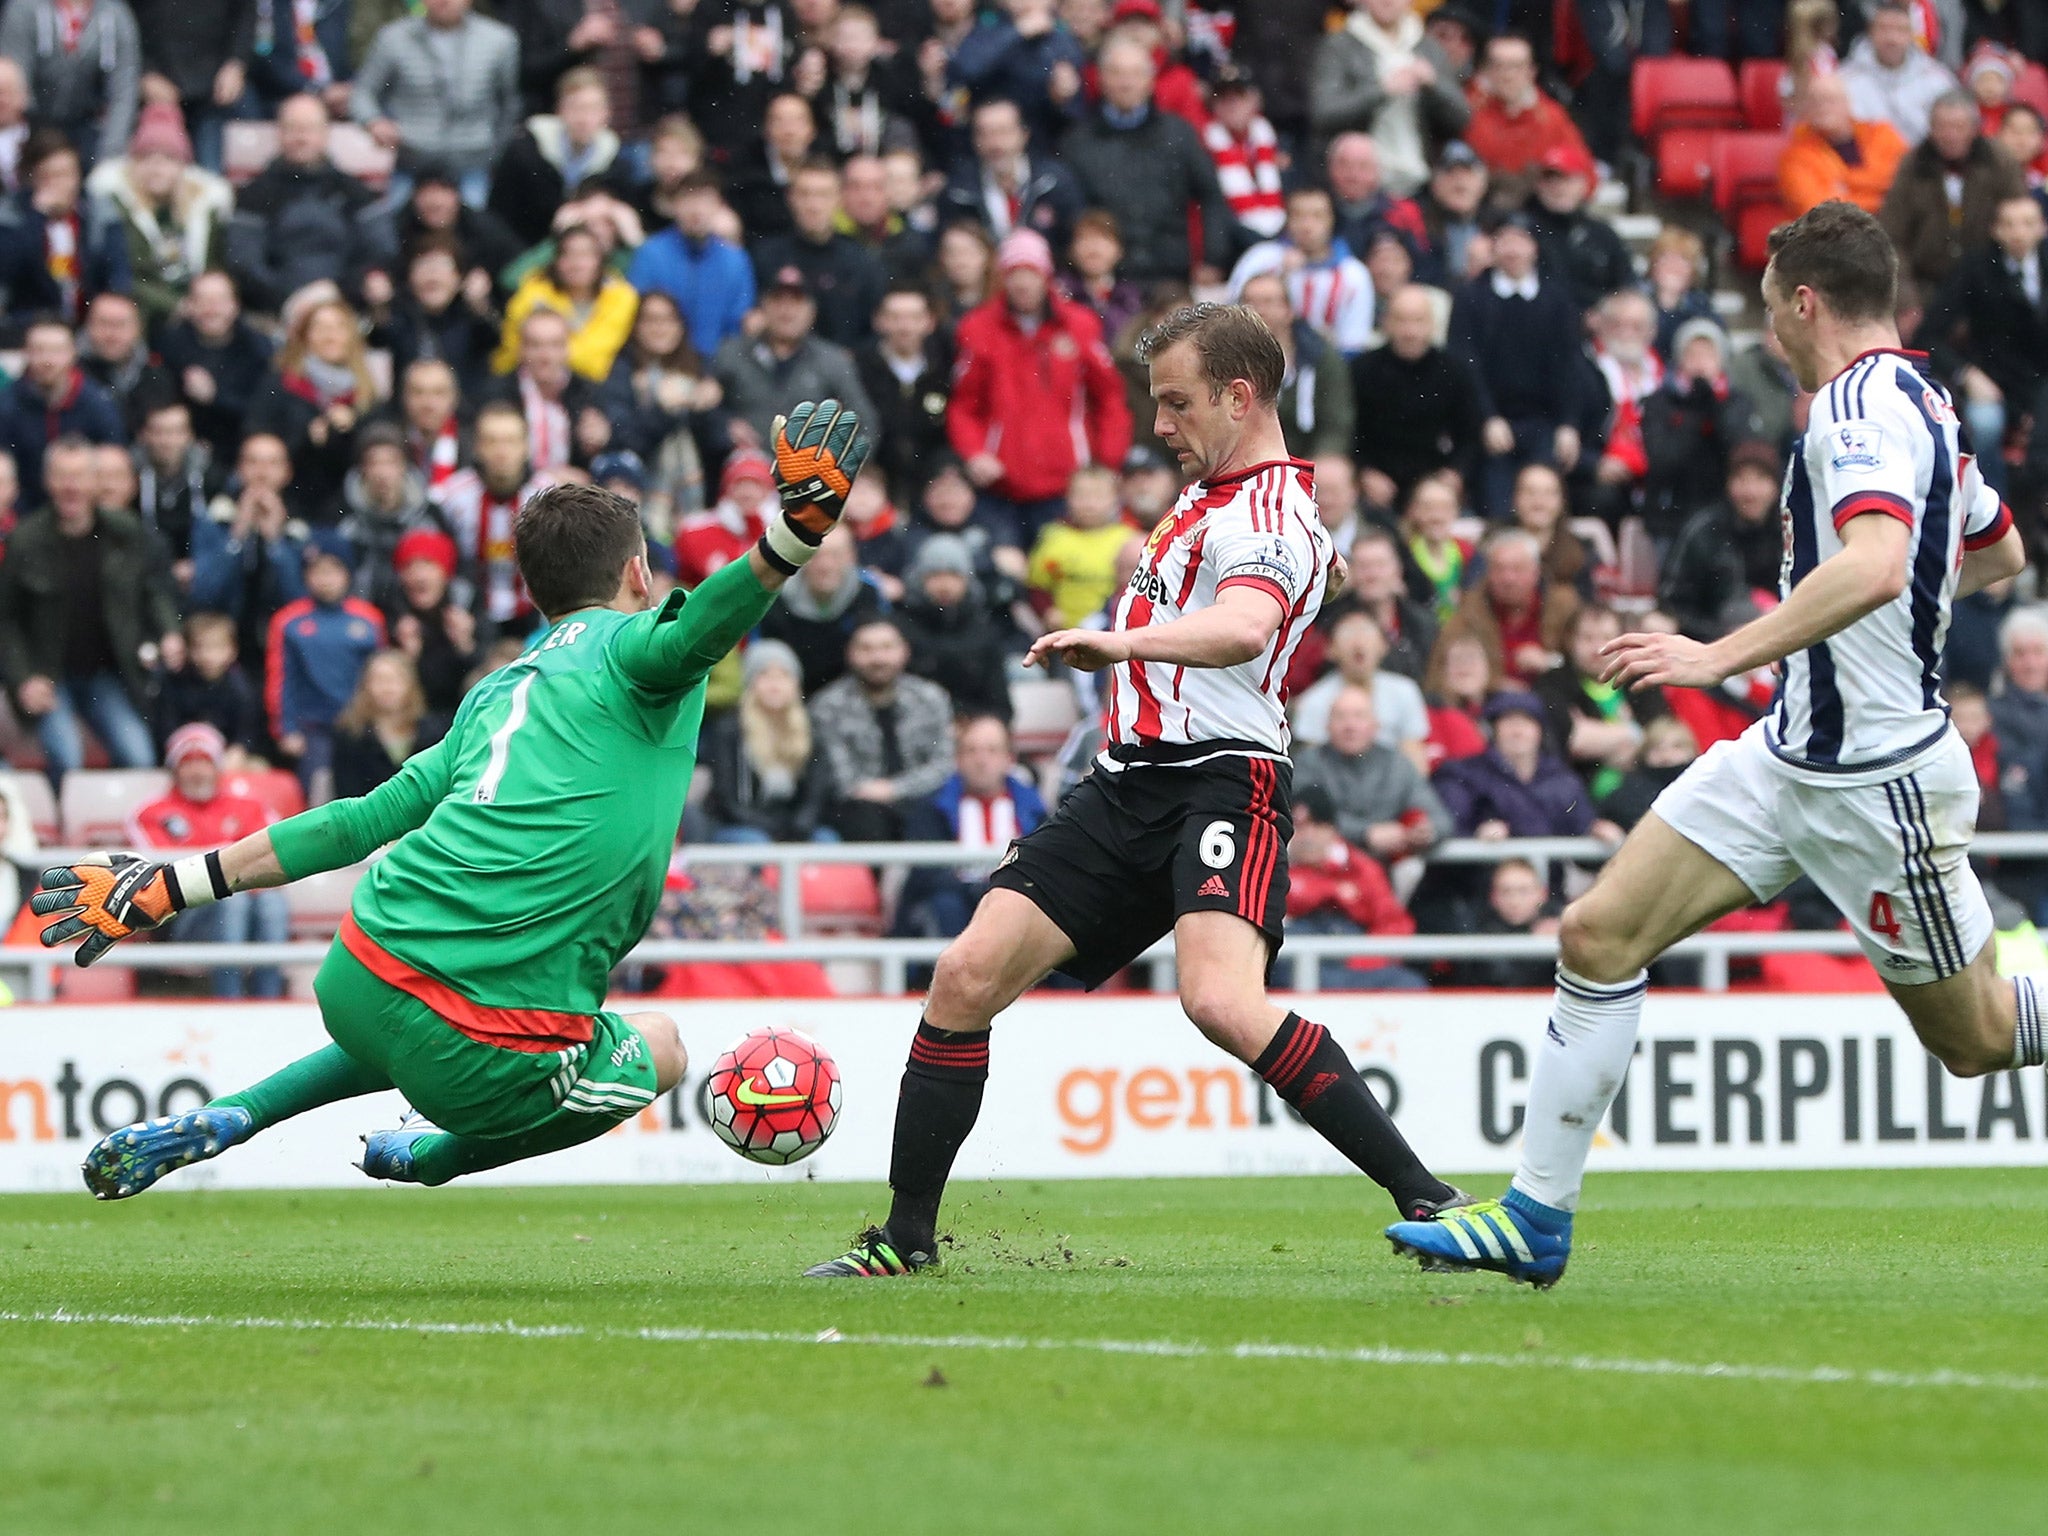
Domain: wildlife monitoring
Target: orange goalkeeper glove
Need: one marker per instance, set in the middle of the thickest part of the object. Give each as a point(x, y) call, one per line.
point(109, 897)
point(819, 449)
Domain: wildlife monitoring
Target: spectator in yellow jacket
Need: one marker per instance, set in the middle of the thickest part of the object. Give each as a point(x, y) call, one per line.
point(1073, 564)
point(598, 304)
point(1831, 155)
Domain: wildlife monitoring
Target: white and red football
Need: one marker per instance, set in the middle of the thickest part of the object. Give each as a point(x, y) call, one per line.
point(775, 1095)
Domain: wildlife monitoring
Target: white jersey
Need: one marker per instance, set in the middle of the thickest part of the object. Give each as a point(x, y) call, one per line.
point(1882, 438)
point(1257, 528)
point(483, 537)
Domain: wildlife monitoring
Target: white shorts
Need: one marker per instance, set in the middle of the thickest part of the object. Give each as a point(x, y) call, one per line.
point(1892, 855)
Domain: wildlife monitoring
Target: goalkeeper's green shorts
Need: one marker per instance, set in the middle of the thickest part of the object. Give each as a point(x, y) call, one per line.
point(472, 1088)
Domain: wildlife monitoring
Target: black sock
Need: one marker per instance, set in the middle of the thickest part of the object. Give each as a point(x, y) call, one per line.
point(1308, 1069)
point(937, 1107)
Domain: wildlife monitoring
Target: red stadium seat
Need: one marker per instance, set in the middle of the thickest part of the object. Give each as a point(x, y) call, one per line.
point(2032, 87)
point(841, 898)
point(1753, 228)
point(1745, 171)
point(97, 803)
point(1682, 93)
point(1685, 158)
point(1762, 88)
point(277, 788)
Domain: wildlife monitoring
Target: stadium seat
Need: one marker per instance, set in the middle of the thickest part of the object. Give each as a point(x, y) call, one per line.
point(1682, 93)
point(277, 788)
point(96, 803)
point(1753, 228)
point(841, 898)
point(1762, 86)
point(99, 984)
point(319, 902)
point(247, 148)
point(2032, 87)
point(1685, 158)
point(42, 807)
point(1042, 712)
point(1745, 171)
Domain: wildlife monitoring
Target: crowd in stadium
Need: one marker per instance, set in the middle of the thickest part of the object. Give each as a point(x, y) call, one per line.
point(309, 295)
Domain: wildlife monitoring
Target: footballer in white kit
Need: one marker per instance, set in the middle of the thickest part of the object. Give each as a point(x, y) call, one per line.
point(1183, 825)
point(1855, 776)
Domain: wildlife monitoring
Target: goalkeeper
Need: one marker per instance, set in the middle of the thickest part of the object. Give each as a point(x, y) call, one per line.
point(529, 851)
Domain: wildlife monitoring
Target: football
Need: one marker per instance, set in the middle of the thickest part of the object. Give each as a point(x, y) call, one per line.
point(775, 1095)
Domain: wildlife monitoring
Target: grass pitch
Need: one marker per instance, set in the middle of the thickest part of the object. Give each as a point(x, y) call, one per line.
point(500, 1361)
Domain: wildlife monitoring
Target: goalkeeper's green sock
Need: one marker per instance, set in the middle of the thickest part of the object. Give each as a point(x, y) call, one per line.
point(328, 1075)
point(443, 1156)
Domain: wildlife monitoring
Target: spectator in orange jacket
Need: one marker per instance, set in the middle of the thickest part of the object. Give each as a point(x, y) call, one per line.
point(1513, 123)
point(1035, 392)
point(1336, 888)
point(1831, 155)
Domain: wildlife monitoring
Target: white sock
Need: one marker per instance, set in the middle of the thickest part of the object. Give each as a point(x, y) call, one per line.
point(1579, 1068)
point(2030, 1041)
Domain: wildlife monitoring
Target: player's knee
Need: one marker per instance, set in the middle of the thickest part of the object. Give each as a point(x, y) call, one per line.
point(1590, 946)
point(966, 986)
point(665, 1045)
point(1239, 1025)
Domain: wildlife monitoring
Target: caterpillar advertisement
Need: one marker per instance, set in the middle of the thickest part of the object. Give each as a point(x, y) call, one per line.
point(1082, 1088)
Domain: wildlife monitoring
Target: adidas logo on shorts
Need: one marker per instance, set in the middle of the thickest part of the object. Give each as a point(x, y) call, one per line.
point(1214, 886)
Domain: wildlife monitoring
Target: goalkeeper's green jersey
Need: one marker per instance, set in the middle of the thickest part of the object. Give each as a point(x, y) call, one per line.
point(533, 841)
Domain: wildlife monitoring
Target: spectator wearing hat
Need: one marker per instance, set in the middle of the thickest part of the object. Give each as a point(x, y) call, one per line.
point(315, 654)
point(1005, 186)
point(710, 279)
point(821, 607)
point(845, 280)
point(887, 734)
point(1728, 550)
point(1334, 887)
point(907, 372)
point(53, 398)
point(219, 360)
point(302, 218)
point(1833, 154)
point(1326, 284)
point(770, 782)
point(385, 723)
point(1245, 152)
point(954, 640)
point(1031, 367)
point(1316, 405)
point(174, 215)
point(1582, 252)
point(1987, 329)
point(82, 591)
point(1947, 192)
point(84, 68)
point(383, 500)
point(427, 620)
point(1149, 166)
point(985, 804)
point(765, 375)
point(1519, 335)
point(1890, 77)
point(1423, 412)
point(442, 86)
point(201, 812)
point(1515, 788)
point(1148, 489)
point(1380, 73)
point(726, 530)
point(1513, 122)
point(1453, 249)
point(1689, 425)
point(1989, 75)
point(58, 249)
point(248, 552)
point(1513, 611)
point(1381, 798)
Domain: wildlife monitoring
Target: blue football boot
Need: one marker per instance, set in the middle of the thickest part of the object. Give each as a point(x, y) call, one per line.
point(1514, 1236)
point(130, 1160)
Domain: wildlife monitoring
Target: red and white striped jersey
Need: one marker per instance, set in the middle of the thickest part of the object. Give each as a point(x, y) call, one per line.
point(1256, 528)
point(1248, 171)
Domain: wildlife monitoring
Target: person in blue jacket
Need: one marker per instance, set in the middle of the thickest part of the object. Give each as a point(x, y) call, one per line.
point(709, 278)
point(318, 648)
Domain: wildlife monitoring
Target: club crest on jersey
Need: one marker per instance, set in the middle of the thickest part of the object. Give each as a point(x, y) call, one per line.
point(1859, 447)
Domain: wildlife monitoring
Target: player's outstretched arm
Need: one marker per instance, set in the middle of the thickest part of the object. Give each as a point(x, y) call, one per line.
point(819, 449)
point(1238, 626)
point(1868, 572)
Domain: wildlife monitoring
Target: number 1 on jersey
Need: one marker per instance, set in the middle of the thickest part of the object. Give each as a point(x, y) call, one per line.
point(501, 742)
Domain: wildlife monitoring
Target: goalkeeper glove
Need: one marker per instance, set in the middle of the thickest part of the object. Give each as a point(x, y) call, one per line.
point(108, 897)
point(819, 449)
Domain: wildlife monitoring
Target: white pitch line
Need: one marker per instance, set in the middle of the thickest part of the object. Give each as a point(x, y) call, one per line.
point(1171, 1349)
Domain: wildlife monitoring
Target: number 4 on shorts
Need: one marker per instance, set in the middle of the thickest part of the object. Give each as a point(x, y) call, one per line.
point(1882, 919)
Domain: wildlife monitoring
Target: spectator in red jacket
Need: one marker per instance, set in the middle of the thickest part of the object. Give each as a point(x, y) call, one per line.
point(725, 532)
point(1336, 888)
point(1035, 394)
point(1513, 123)
point(199, 813)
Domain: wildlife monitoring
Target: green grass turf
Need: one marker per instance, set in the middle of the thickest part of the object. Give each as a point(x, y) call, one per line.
point(106, 1428)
